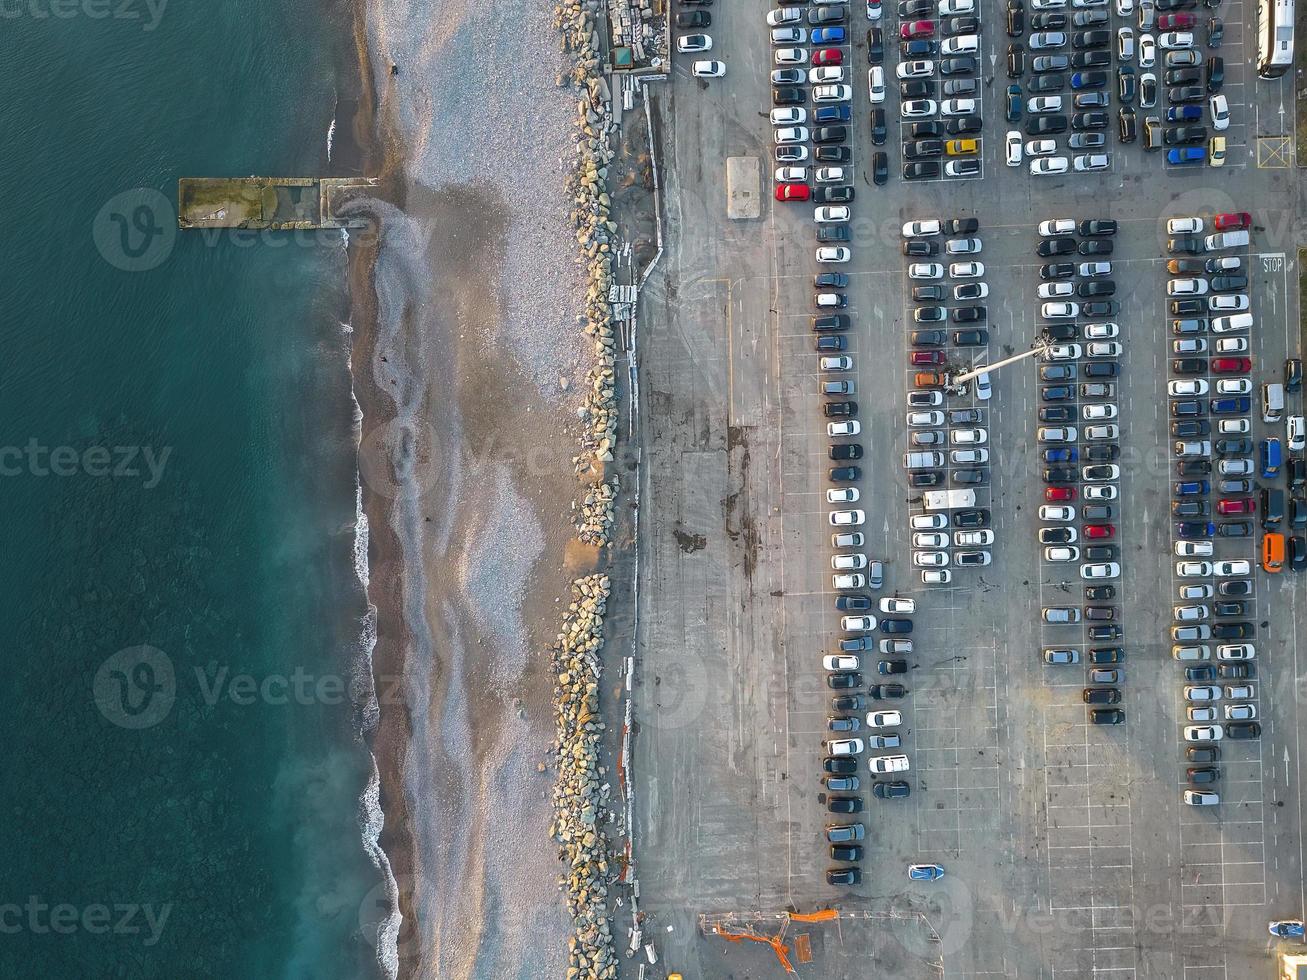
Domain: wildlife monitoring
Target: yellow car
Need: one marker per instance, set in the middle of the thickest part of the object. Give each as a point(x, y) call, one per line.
point(958, 148)
point(1216, 152)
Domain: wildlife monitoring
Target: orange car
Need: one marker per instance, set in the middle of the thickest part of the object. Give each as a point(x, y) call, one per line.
point(1272, 552)
point(929, 379)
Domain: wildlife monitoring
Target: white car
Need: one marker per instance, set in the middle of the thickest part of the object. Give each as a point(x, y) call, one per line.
point(845, 581)
point(1147, 51)
point(847, 518)
point(920, 68)
point(1092, 270)
point(1202, 692)
point(833, 254)
point(882, 764)
point(1240, 712)
point(1186, 287)
point(1147, 10)
point(1234, 386)
point(951, 8)
point(973, 290)
point(1189, 614)
point(1175, 40)
point(847, 539)
point(1240, 692)
point(1088, 162)
point(884, 719)
point(966, 270)
point(1295, 430)
point(1220, 109)
point(1107, 569)
point(832, 93)
point(848, 563)
point(842, 661)
point(1200, 797)
point(1196, 591)
point(1061, 553)
point(1057, 512)
point(1236, 651)
point(1228, 303)
point(925, 270)
point(930, 559)
point(783, 16)
point(928, 522)
point(844, 746)
point(1203, 733)
point(921, 229)
point(896, 605)
point(1055, 227)
point(1100, 492)
point(1193, 549)
point(1059, 311)
point(973, 539)
point(693, 43)
point(842, 495)
point(789, 116)
point(958, 107)
point(1056, 433)
point(1184, 226)
point(1040, 148)
point(1193, 569)
point(1101, 331)
point(874, 10)
point(709, 69)
point(918, 108)
point(1103, 348)
point(1124, 8)
point(790, 56)
point(791, 134)
point(825, 74)
point(1098, 412)
point(835, 362)
point(1044, 103)
point(1046, 166)
point(929, 540)
point(1013, 148)
point(785, 175)
point(963, 246)
point(876, 84)
point(968, 457)
point(829, 175)
point(925, 419)
point(1234, 427)
point(960, 44)
point(790, 35)
point(1099, 433)
point(968, 437)
point(1056, 290)
point(831, 214)
point(857, 624)
point(1227, 569)
point(936, 576)
point(1064, 352)
point(1125, 44)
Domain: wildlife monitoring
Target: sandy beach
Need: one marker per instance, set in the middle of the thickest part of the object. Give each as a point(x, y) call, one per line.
point(467, 364)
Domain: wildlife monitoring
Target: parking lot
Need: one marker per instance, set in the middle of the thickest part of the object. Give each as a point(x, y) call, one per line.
point(1048, 827)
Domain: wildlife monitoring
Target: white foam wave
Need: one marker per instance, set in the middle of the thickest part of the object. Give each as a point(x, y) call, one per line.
point(331, 137)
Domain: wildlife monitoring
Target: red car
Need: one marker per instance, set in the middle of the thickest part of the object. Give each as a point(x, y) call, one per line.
point(1239, 505)
point(1231, 365)
point(1176, 22)
point(793, 192)
point(913, 30)
point(1059, 494)
point(1232, 221)
point(926, 357)
point(1100, 530)
point(827, 56)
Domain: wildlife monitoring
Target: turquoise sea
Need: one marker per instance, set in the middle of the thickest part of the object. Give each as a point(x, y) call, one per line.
point(179, 609)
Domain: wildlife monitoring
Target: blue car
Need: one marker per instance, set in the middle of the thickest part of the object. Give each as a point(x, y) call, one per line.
point(1013, 113)
point(1232, 406)
point(832, 114)
point(1192, 488)
point(1061, 455)
point(1194, 529)
point(828, 35)
point(1184, 113)
point(1286, 928)
point(1270, 458)
point(1083, 79)
point(1186, 154)
point(925, 872)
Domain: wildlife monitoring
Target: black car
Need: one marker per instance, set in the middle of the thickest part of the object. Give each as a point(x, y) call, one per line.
point(843, 681)
point(1215, 32)
point(1236, 672)
point(960, 25)
point(1243, 730)
point(833, 154)
point(926, 130)
point(969, 477)
point(1126, 86)
point(917, 88)
point(694, 18)
point(1049, 247)
point(1109, 632)
point(879, 167)
point(1190, 508)
point(1228, 284)
point(1016, 61)
point(1186, 244)
point(788, 96)
point(1200, 674)
point(1182, 76)
point(969, 314)
point(1057, 413)
point(1060, 474)
point(917, 49)
point(1059, 331)
point(1297, 551)
point(917, 8)
point(963, 125)
point(875, 45)
point(1053, 21)
point(848, 450)
point(1057, 270)
point(1185, 94)
point(1057, 372)
point(1235, 529)
point(895, 790)
point(1203, 776)
point(978, 517)
point(1096, 287)
point(887, 667)
point(1046, 126)
point(1050, 82)
point(1292, 374)
point(1089, 120)
point(846, 852)
point(838, 280)
point(878, 128)
point(1100, 307)
point(1127, 125)
point(1184, 135)
point(845, 474)
point(921, 170)
point(1101, 695)
point(1230, 607)
point(1102, 369)
point(1016, 20)
point(1105, 453)
point(1193, 467)
point(1091, 100)
point(830, 134)
point(1234, 631)
point(1106, 716)
point(1099, 656)
point(903, 626)
point(844, 804)
point(887, 692)
point(970, 338)
point(831, 322)
point(928, 294)
point(1056, 393)
point(923, 148)
point(960, 65)
point(832, 195)
point(1297, 506)
point(828, 234)
point(843, 876)
point(1191, 427)
point(1234, 447)
point(852, 603)
point(1203, 753)
point(1091, 59)
point(1214, 74)
point(840, 410)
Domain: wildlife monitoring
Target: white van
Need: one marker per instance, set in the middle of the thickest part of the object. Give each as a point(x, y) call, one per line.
point(1272, 402)
point(949, 499)
point(887, 763)
point(1226, 239)
point(1231, 324)
point(923, 460)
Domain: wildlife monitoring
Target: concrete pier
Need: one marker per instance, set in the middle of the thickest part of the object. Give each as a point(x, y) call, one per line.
point(277, 203)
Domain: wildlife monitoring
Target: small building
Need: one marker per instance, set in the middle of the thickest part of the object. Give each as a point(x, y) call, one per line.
point(1293, 966)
